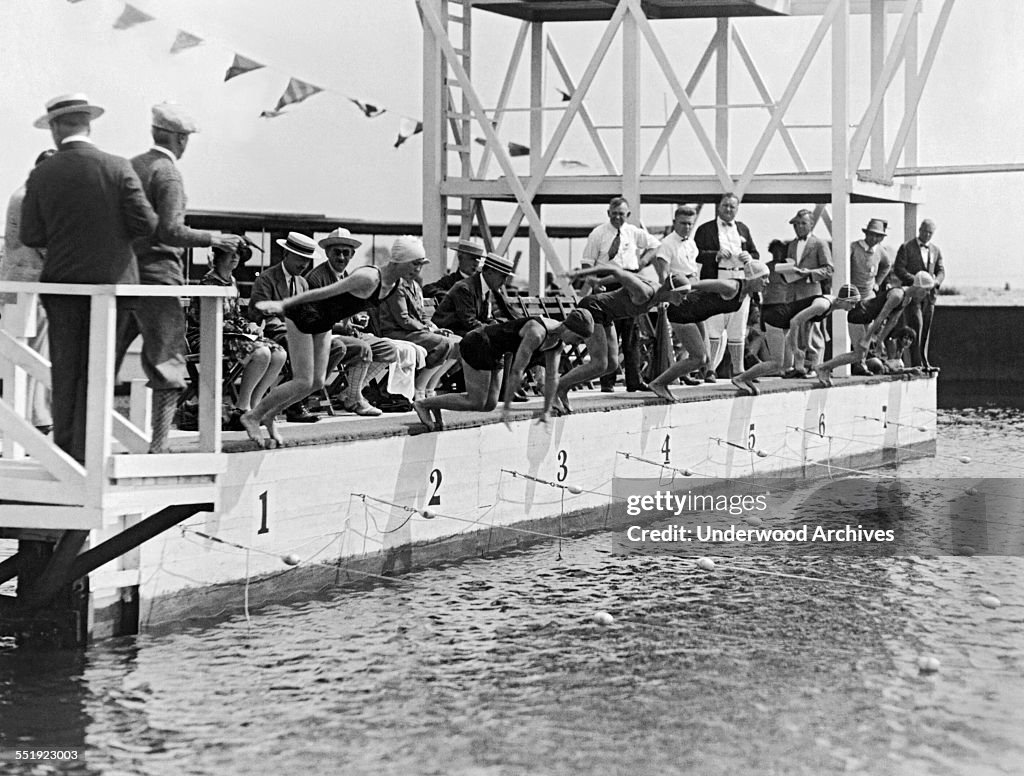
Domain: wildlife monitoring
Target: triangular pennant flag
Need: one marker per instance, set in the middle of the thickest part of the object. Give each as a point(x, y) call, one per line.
point(407, 129)
point(131, 16)
point(240, 66)
point(185, 40)
point(370, 111)
point(271, 114)
point(565, 95)
point(572, 163)
point(515, 149)
point(297, 91)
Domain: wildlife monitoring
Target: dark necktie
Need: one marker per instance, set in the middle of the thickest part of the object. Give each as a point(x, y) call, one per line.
point(291, 286)
point(613, 249)
point(487, 307)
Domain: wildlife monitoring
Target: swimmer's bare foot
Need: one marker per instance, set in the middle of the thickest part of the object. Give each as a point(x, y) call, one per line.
point(561, 402)
point(661, 391)
point(438, 423)
point(275, 435)
point(423, 414)
point(251, 424)
point(746, 387)
point(824, 377)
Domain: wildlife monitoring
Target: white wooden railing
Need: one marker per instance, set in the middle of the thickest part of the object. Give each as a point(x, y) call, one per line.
point(51, 475)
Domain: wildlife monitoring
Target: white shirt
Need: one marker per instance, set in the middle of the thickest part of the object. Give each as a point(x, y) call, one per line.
point(166, 152)
point(679, 254)
point(729, 239)
point(77, 139)
point(631, 238)
point(801, 246)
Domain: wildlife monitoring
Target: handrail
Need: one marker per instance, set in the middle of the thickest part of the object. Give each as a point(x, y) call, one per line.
point(18, 325)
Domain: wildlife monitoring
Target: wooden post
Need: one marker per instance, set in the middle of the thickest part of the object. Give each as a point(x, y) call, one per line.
point(100, 394)
point(535, 272)
point(211, 373)
point(840, 163)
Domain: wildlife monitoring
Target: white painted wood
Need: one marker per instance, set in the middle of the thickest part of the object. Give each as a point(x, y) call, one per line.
point(16, 352)
point(100, 394)
point(211, 374)
point(631, 100)
point(435, 220)
point(535, 273)
point(878, 46)
point(31, 487)
point(154, 497)
point(677, 112)
point(555, 144)
point(86, 289)
point(48, 516)
point(506, 92)
point(59, 464)
point(913, 98)
point(665, 64)
point(570, 88)
point(874, 114)
point(722, 90)
point(911, 147)
point(840, 164)
point(128, 435)
point(140, 404)
point(168, 465)
point(779, 113)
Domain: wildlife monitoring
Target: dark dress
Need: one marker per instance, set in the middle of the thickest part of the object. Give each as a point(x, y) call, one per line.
point(319, 317)
point(780, 315)
point(484, 347)
point(698, 305)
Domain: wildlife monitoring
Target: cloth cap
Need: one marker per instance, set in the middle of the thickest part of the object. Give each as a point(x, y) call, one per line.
point(580, 322)
point(924, 279)
point(299, 244)
point(407, 249)
point(470, 247)
point(340, 236)
point(877, 226)
point(173, 118)
point(754, 269)
point(849, 293)
point(497, 263)
point(65, 104)
point(801, 214)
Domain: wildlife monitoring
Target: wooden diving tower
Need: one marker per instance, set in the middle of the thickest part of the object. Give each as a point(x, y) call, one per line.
point(457, 179)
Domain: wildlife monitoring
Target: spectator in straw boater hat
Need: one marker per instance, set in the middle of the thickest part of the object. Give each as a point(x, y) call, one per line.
point(469, 254)
point(84, 207)
point(476, 300)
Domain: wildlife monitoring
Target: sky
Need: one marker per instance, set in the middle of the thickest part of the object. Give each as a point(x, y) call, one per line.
point(325, 157)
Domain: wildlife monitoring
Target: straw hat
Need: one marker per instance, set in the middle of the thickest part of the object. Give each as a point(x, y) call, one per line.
point(299, 244)
point(65, 104)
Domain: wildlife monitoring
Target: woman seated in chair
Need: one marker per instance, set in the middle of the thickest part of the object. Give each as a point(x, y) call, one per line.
point(243, 340)
point(533, 341)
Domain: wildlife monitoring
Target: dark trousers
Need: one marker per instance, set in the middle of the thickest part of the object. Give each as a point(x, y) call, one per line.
point(161, 322)
point(69, 370)
point(629, 346)
point(918, 316)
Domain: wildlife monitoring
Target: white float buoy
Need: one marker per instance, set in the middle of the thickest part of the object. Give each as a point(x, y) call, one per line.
point(427, 514)
point(687, 473)
point(706, 563)
point(928, 665)
point(754, 520)
point(762, 454)
point(965, 459)
point(603, 619)
point(989, 601)
point(971, 491)
point(574, 490)
point(291, 559)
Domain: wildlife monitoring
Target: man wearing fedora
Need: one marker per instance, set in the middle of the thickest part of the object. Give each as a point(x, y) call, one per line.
point(477, 300)
point(280, 281)
point(84, 207)
point(366, 356)
point(469, 254)
point(161, 320)
point(870, 263)
point(913, 257)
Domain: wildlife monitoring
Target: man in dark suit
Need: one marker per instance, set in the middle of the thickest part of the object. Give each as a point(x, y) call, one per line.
point(469, 255)
point(161, 320)
point(912, 257)
point(724, 246)
point(85, 207)
point(477, 300)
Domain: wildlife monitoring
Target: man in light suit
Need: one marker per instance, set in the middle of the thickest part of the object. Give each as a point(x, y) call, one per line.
point(814, 266)
point(85, 207)
point(724, 246)
point(912, 257)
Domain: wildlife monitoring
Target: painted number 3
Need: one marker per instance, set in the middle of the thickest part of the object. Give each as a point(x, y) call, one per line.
point(563, 469)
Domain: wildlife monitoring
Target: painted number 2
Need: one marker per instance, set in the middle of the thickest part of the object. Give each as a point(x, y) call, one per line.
point(435, 480)
point(563, 469)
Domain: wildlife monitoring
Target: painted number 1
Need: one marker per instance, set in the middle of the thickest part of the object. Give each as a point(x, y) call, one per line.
point(263, 514)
